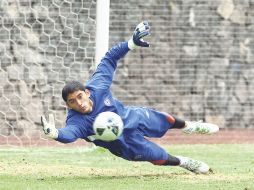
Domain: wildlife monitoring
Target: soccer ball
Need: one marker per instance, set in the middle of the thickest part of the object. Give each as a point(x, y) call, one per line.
point(108, 126)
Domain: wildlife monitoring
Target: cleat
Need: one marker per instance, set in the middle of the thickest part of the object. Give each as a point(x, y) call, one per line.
point(200, 128)
point(194, 166)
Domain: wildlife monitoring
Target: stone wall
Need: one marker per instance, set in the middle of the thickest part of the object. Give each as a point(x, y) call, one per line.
point(200, 64)
point(43, 44)
point(201, 61)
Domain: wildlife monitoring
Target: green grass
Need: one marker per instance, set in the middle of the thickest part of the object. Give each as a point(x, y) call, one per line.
point(82, 168)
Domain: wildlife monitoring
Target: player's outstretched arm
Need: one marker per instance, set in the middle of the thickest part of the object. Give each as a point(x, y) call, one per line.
point(142, 30)
point(103, 76)
point(49, 127)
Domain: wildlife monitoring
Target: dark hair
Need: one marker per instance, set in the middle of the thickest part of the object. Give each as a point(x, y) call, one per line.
point(72, 87)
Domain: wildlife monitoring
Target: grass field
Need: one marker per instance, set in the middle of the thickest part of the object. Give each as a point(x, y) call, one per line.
point(82, 168)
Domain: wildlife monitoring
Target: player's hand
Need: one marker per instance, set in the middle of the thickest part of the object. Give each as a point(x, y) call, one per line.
point(49, 126)
point(142, 30)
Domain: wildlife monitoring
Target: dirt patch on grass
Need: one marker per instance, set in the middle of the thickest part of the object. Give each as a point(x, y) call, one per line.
point(41, 171)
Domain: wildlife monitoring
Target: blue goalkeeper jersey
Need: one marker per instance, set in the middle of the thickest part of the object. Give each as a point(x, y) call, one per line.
point(138, 122)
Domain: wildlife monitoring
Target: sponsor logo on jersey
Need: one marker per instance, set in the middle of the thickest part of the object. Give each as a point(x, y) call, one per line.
point(107, 102)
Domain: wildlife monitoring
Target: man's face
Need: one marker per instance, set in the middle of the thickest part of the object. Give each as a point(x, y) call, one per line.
point(80, 101)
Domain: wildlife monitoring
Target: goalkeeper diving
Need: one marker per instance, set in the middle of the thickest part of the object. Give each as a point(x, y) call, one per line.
point(86, 101)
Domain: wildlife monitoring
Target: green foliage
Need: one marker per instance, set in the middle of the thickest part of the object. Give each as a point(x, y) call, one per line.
point(82, 168)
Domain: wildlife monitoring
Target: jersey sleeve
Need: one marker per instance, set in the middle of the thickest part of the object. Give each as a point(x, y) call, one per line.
point(70, 133)
point(103, 76)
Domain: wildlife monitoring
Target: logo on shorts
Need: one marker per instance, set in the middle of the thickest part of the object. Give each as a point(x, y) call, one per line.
point(107, 102)
point(138, 157)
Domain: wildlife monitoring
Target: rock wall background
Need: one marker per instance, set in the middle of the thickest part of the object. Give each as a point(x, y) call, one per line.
point(200, 64)
point(43, 44)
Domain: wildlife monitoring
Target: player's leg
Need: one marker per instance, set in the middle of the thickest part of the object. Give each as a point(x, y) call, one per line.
point(170, 161)
point(142, 149)
point(192, 127)
point(156, 124)
point(190, 164)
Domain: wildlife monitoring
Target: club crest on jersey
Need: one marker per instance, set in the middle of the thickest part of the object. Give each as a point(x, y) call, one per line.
point(107, 102)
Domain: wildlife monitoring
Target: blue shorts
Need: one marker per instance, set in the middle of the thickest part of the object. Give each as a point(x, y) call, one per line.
point(133, 144)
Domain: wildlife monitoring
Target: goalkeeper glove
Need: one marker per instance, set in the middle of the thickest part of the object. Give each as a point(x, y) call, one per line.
point(49, 127)
point(142, 30)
